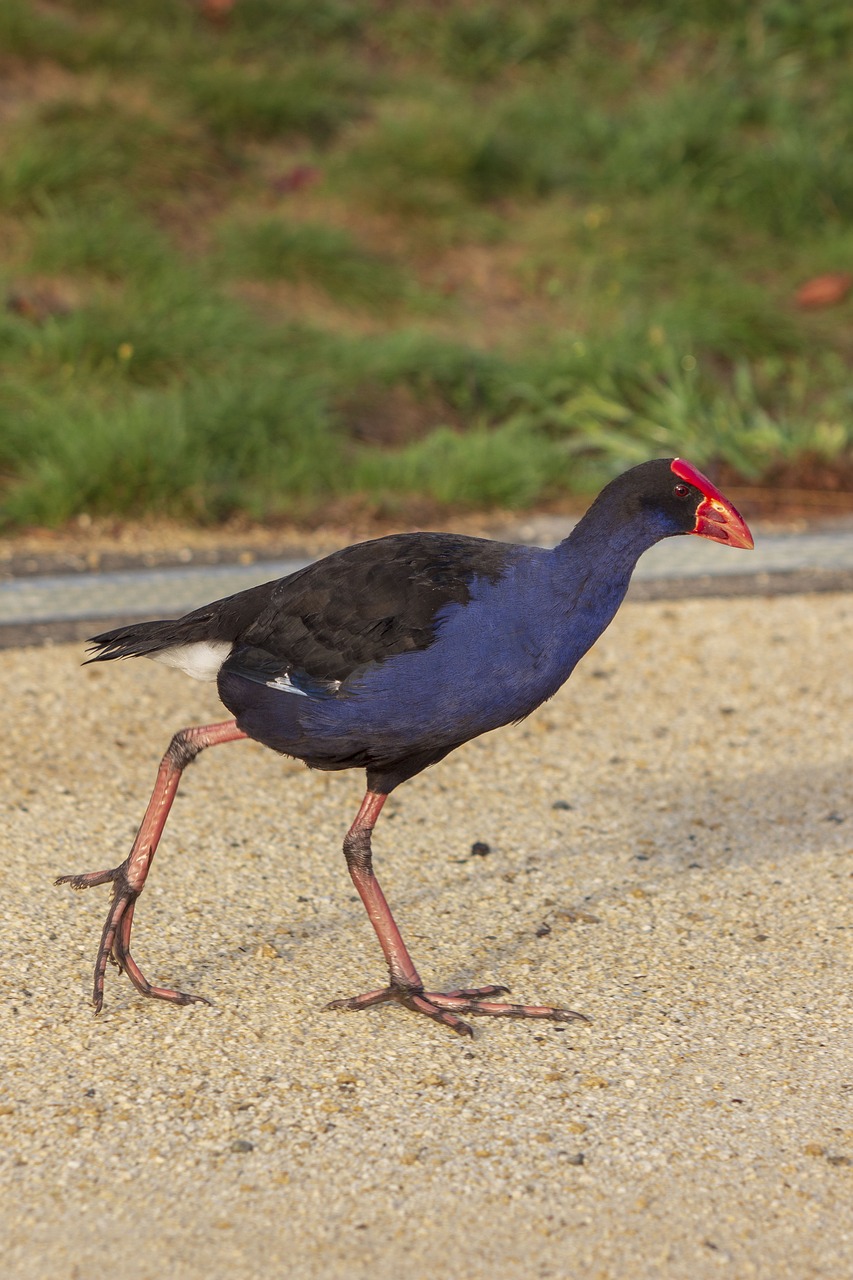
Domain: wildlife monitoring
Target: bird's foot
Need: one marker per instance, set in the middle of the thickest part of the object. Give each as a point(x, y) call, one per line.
point(115, 939)
point(444, 1006)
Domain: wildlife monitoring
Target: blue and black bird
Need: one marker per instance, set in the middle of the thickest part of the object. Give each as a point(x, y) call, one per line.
point(385, 657)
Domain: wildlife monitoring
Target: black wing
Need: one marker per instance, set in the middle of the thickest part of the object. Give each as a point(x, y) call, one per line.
point(358, 606)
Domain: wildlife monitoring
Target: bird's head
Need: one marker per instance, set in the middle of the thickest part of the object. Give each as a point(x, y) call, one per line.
point(712, 515)
point(660, 499)
point(669, 496)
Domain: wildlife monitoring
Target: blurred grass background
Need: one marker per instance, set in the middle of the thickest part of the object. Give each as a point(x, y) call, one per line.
point(279, 256)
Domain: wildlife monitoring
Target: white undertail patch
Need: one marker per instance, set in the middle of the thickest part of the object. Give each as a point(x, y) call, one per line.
point(202, 659)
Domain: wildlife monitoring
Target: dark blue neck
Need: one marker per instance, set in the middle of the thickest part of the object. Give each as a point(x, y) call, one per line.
point(591, 569)
point(612, 538)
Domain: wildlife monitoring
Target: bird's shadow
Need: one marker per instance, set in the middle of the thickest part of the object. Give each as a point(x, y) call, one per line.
point(752, 819)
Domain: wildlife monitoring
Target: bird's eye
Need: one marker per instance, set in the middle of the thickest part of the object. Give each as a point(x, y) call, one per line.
point(681, 491)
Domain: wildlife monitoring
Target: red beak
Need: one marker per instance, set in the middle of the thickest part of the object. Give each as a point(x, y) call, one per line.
point(716, 518)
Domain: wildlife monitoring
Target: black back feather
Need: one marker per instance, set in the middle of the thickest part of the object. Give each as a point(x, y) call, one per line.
point(358, 606)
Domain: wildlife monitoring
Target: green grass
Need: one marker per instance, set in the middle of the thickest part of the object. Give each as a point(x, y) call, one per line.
point(274, 249)
point(484, 253)
point(314, 98)
point(91, 150)
point(109, 238)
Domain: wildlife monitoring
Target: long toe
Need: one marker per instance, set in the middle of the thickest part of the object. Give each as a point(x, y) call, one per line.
point(89, 879)
point(445, 1006)
point(146, 988)
point(461, 1002)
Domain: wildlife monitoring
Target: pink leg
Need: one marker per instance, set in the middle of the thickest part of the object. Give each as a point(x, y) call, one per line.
point(129, 878)
point(406, 986)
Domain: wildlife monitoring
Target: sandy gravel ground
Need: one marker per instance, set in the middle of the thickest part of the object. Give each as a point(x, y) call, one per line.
point(680, 818)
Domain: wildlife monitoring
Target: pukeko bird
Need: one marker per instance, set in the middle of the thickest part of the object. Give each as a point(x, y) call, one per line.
point(387, 655)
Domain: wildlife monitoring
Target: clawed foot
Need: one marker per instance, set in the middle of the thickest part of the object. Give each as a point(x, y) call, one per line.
point(115, 939)
point(444, 1006)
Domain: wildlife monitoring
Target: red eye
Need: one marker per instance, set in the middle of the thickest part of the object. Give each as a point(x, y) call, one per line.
point(681, 491)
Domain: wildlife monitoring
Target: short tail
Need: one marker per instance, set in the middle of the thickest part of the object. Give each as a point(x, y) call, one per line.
point(223, 620)
point(136, 640)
